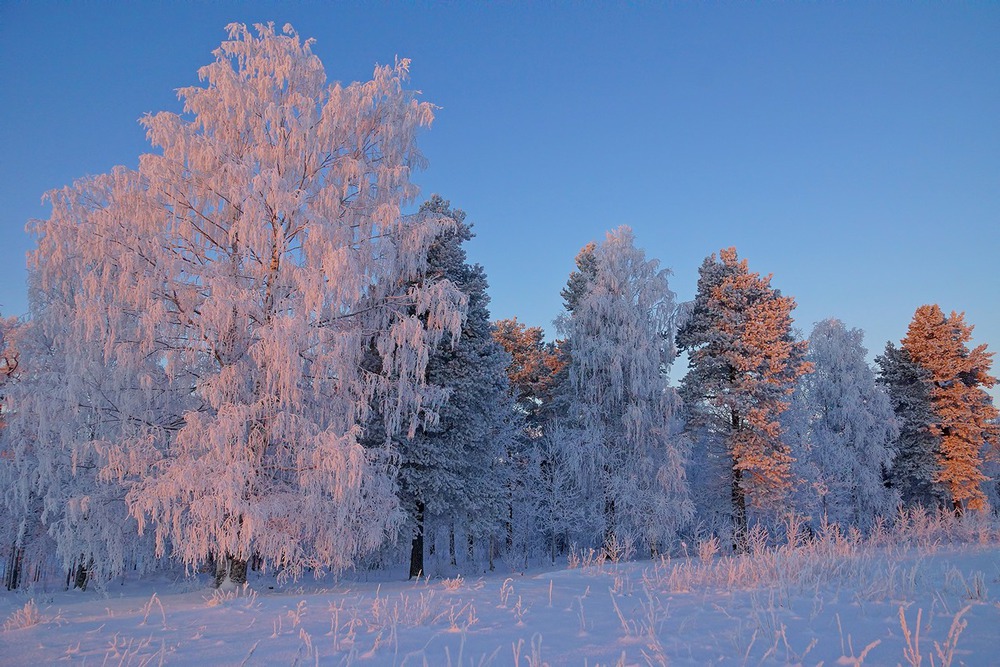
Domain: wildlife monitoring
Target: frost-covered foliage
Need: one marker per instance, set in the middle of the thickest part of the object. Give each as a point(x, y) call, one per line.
point(743, 362)
point(843, 431)
point(546, 498)
point(560, 488)
point(915, 466)
point(205, 319)
point(619, 332)
point(963, 413)
point(534, 368)
point(52, 484)
point(453, 470)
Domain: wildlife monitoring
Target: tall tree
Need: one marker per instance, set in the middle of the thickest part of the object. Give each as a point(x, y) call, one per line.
point(743, 363)
point(451, 468)
point(537, 492)
point(916, 465)
point(846, 450)
point(963, 412)
point(230, 290)
point(618, 327)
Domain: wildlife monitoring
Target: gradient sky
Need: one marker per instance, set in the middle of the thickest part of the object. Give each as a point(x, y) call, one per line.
point(852, 150)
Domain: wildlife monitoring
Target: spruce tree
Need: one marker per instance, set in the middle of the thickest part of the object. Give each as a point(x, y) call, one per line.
point(916, 465)
point(453, 469)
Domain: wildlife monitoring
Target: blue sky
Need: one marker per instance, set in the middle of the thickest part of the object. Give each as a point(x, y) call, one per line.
point(852, 150)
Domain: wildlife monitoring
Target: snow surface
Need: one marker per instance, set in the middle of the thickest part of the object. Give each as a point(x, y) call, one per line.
point(835, 604)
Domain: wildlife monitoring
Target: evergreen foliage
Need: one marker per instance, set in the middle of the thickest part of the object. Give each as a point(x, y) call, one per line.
point(743, 362)
point(454, 469)
point(915, 467)
point(964, 415)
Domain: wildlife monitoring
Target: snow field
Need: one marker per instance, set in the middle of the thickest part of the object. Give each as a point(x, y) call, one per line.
point(835, 600)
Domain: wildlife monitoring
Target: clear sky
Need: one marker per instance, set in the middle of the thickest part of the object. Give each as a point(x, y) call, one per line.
point(851, 149)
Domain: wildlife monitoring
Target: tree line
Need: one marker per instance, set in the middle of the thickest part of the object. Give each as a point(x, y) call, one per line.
point(246, 352)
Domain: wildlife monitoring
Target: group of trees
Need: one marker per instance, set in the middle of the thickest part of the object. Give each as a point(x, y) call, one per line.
point(246, 351)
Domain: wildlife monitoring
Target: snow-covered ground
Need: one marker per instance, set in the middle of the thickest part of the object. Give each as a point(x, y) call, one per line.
point(834, 601)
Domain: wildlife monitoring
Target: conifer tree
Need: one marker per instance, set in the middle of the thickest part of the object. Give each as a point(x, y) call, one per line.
point(541, 496)
point(916, 464)
point(743, 363)
point(451, 469)
point(534, 366)
point(963, 412)
point(846, 449)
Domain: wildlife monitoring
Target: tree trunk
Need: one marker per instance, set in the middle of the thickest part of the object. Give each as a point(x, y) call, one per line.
point(82, 574)
point(738, 494)
point(231, 568)
point(417, 545)
point(14, 569)
point(451, 545)
point(739, 513)
point(609, 518)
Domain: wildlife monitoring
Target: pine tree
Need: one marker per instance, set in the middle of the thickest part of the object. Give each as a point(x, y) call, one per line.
point(963, 412)
point(215, 307)
point(533, 369)
point(846, 450)
point(916, 465)
point(618, 327)
point(743, 363)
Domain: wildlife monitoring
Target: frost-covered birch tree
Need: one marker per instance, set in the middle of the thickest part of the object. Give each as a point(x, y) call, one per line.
point(60, 412)
point(619, 329)
point(228, 292)
point(846, 444)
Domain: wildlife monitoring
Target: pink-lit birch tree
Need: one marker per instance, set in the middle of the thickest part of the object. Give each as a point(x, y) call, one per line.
point(234, 286)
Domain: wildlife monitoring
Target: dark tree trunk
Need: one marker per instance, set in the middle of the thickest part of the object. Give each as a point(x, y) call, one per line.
point(609, 518)
point(14, 568)
point(738, 494)
point(82, 574)
point(235, 569)
point(451, 545)
point(739, 513)
point(417, 545)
